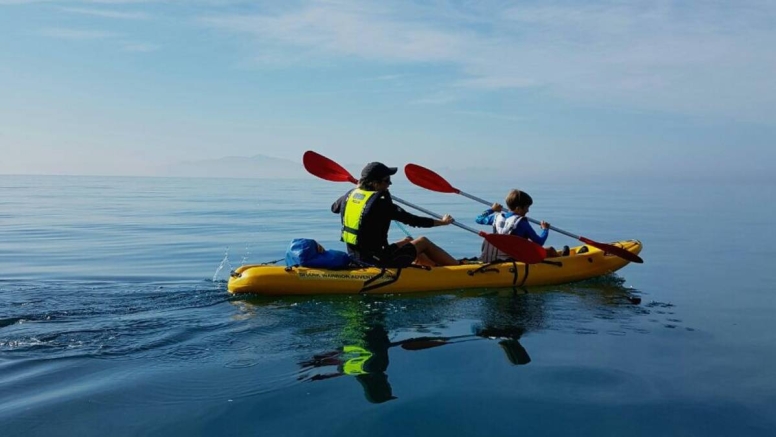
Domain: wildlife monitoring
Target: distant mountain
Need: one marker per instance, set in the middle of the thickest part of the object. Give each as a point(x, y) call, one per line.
point(263, 166)
point(257, 166)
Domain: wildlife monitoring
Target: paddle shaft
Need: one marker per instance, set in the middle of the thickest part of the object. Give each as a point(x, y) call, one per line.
point(561, 231)
point(435, 215)
point(403, 229)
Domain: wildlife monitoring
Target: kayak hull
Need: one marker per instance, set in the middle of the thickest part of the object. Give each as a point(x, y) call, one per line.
point(279, 280)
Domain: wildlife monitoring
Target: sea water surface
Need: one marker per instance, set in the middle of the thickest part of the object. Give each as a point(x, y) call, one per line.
point(115, 318)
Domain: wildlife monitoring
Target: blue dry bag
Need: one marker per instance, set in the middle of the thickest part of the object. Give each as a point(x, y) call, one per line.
point(304, 252)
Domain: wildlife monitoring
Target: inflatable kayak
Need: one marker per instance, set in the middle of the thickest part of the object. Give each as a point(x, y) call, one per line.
point(583, 262)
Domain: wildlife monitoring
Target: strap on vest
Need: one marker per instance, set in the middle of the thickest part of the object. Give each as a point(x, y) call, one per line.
point(350, 230)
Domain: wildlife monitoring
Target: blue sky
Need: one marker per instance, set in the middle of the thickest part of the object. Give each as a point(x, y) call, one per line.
point(656, 88)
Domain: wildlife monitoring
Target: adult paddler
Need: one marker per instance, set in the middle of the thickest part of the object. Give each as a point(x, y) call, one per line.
point(366, 213)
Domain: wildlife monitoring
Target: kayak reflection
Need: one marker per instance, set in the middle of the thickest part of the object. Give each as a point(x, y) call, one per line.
point(365, 356)
point(367, 361)
point(356, 337)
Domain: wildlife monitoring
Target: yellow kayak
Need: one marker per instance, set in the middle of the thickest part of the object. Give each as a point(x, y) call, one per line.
point(280, 281)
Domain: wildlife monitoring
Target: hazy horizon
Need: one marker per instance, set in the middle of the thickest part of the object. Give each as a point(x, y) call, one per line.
point(258, 169)
point(546, 89)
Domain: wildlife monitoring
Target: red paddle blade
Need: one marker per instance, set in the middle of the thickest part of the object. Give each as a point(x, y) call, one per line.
point(325, 168)
point(518, 248)
point(614, 250)
point(427, 179)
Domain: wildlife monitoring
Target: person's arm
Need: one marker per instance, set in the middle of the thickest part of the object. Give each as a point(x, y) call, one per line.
point(339, 204)
point(486, 218)
point(400, 215)
point(385, 207)
point(524, 229)
point(395, 212)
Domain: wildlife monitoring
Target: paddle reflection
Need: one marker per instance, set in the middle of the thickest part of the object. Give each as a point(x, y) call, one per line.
point(366, 345)
point(355, 337)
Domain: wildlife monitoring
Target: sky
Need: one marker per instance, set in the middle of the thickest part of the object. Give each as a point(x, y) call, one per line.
point(651, 88)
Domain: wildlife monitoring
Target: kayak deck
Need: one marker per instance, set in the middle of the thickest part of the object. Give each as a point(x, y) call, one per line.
point(279, 280)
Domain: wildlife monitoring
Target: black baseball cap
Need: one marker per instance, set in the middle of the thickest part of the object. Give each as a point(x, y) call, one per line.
point(377, 170)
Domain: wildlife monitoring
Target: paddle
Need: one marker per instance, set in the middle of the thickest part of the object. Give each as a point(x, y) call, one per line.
point(430, 180)
point(419, 343)
point(515, 352)
point(518, 248)
point(403, 229)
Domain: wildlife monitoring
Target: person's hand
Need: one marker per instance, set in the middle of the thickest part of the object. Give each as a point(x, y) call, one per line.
point(545, 225)
point(446, 219)
point(496, 207)
point(407, 239)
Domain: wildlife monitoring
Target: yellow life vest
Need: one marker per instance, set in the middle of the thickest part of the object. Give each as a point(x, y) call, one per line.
point(358, 356)
point(355, 207)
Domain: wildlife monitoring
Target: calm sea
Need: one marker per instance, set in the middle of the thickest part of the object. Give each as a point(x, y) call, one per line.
point(115, 319)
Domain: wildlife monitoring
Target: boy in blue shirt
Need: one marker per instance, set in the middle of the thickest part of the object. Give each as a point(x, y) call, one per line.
point(513, 222)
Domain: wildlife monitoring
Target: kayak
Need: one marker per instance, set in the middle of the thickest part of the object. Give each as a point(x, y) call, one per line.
point(583, 262)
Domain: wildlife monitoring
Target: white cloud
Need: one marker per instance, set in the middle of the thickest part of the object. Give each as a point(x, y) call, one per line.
point(110, 2)
point(76, 34)
point(141, 47)
point(492, 115)
point(708, 58)
point(386, 78)
point(438, 98)
point(345, 29)
point(104, 13)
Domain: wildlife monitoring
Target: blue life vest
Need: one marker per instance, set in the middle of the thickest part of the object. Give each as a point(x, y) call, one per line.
point(304, 252)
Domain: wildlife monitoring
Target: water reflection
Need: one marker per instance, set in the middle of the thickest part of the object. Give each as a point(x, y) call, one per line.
point(355, 337)
point(366, 343)
point(365, 356)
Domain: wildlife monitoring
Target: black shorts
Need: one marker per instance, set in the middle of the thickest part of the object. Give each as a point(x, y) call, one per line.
point(394, 256)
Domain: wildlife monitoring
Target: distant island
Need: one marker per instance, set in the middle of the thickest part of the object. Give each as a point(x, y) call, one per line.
point(257, 166)
point(263, 166)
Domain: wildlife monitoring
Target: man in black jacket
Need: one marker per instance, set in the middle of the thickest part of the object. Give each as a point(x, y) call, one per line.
point(367, 211)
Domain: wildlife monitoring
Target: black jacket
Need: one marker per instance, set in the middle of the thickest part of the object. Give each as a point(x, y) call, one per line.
point(373, 231)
